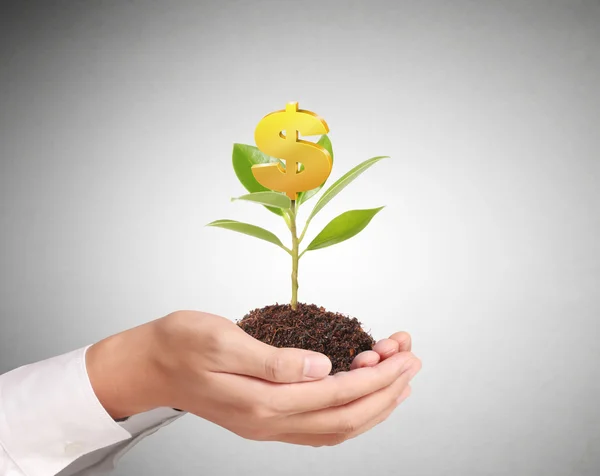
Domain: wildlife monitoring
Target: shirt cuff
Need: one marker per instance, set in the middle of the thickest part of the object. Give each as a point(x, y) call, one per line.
point(50, 415)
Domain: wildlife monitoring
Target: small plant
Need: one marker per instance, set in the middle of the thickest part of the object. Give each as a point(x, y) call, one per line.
point(246, 158)
point(341, 228)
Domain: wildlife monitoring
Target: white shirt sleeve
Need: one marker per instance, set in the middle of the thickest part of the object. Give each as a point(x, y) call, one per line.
point(51, 421)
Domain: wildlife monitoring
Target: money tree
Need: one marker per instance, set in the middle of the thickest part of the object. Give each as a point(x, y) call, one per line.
point(283, 173)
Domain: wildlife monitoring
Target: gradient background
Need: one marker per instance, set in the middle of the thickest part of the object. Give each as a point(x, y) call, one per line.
point(116, 125)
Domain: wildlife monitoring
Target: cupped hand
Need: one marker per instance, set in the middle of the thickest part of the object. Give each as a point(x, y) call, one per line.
point(208, 366)
point(383, 349)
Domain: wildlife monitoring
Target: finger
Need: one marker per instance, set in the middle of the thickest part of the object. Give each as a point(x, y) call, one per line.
point(332, 439)
point(341, 388)
point(362, 415)
point(405, 394)
point(251, 357)
point(349, 418)
point(382, 416)
point(367, 358)
point(382, 350)
point(404, 341)
point(386, 348)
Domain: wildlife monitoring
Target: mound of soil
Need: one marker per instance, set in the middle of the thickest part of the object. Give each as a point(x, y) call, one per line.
point(309, 327)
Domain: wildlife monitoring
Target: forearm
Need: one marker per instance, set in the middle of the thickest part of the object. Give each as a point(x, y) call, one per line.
point(124, 372)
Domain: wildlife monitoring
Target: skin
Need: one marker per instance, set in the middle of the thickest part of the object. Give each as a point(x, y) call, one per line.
point(206, 365)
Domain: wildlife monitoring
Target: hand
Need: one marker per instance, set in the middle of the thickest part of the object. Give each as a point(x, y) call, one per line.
point(384, 349)
point(208, 366)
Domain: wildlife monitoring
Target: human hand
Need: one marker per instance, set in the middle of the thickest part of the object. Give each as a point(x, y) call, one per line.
point(384, 349)
point(208, 366)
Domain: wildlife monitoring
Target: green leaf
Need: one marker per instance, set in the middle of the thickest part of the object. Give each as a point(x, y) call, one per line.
point(324, 142)
point(243, 158)
point(341, 183)
point(273, 199)
point(247, 229)
point(343, 227)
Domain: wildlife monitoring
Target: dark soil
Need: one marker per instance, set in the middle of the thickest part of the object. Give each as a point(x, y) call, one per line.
point(309, 327)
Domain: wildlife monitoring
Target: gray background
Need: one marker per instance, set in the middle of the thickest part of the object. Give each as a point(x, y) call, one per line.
point(116, 126)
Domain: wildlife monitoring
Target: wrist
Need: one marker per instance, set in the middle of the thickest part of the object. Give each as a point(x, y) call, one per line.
point(124, 374)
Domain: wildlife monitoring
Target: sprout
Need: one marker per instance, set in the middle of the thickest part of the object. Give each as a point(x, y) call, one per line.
point(341, 228)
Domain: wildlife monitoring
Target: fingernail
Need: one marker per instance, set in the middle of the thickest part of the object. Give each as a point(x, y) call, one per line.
point(316, 366)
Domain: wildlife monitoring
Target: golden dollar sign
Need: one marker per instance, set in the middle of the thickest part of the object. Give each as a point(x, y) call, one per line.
point(271, 140)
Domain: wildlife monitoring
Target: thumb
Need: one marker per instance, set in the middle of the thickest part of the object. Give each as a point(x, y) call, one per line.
point(281, 365)
point(293, 365)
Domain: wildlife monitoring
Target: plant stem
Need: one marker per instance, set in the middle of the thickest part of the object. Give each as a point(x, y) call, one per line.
point(295, 257)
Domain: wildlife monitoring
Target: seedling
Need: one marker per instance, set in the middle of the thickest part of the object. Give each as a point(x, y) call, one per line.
point(293, 166)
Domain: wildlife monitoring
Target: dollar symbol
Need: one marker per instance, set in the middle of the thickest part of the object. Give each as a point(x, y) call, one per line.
point(271, 139)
